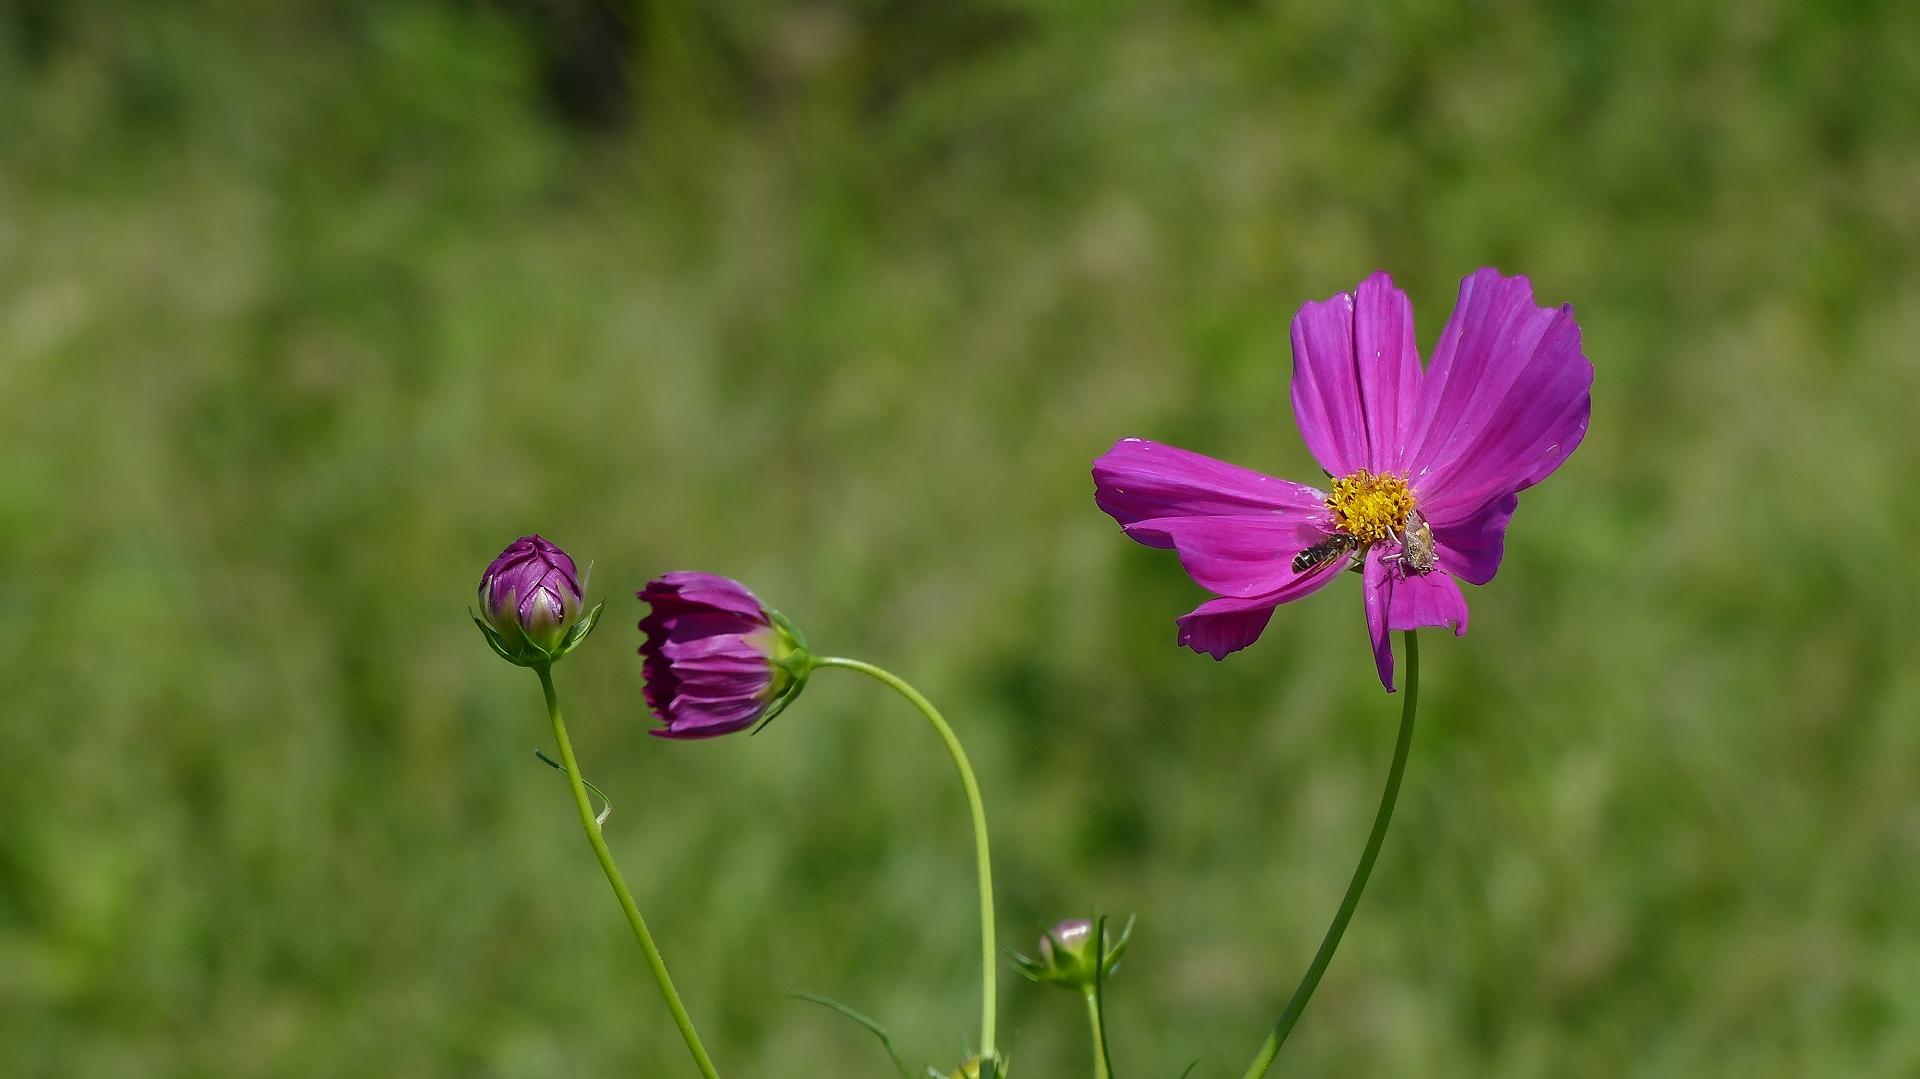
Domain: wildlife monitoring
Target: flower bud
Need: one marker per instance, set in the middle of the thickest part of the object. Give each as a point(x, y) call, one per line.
point(970, 1069)
point(1069, 958)
point(717, 660)
point(531, 605)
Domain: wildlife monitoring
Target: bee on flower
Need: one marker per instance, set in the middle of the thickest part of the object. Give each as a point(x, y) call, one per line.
point(1426, 464)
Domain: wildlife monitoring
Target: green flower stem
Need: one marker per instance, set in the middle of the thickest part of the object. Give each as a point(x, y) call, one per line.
point(1095, 1021)
point(989, 956)
point(1301, 995)
point(654, 962)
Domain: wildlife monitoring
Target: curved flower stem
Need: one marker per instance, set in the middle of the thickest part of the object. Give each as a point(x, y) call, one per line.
point(1308, 984)
point(988, 953)
point(587, 821)
point(1097, 1023)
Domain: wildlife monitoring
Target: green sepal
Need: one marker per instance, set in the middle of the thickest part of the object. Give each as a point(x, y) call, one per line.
point(523, 652)
point(492, 636)
point(1111, 962)
point(797, 662)
point(798, 665)
point(578, 632)
point(792, 631)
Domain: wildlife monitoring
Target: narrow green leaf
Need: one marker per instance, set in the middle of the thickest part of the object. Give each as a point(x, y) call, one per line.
point(878, 1030)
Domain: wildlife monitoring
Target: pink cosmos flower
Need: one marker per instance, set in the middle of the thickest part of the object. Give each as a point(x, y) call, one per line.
point(717, 660)
point(1426, 465)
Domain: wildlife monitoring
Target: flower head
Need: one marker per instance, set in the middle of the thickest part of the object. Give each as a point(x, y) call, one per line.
point(717, 660)
point(531, 603)
point(1426, 464)
point(1068, 956)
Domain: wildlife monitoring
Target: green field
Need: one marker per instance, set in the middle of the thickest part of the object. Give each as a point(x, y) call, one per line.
point(308, 308)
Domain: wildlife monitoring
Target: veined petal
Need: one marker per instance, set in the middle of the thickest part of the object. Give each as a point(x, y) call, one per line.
point(711, 667)
point(718, 686)
point(1326, 387)
point(1388, 361)
point(1430, 599)
point(1470, 547)
point(1356, 377)
point(1230, 623)
point(697, 635)
point(1504, 402)
point(685, 590)
point(1222, 626)
point(1376, 594)
point(1138, 480)
point(690, 718)
point(1396, 601)
point(1241, 556)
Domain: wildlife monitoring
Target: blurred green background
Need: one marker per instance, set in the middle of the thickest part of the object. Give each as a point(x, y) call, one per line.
point(308, 308)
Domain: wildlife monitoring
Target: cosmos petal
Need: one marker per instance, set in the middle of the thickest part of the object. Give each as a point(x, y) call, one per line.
point(1428, 599)
point(687, 590)
point(691, 718)
point(1376, 594)
point(1221, 626)
point(1230, 623)
point(1397, 601)
point(1138, 480)
point(1326, 387)
point(1388, 361)
point(1470, 548)
point(1356, 377)
point(1506, 399)
point(1241, 556)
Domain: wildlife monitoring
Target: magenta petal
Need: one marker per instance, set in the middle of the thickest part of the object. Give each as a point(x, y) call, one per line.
point(1470, 548)
point(720, 683)
point(1139, 480)
point(690, 719)
point(1221, 626)
point(1240, 556)
point(1356, 377)
point(672, 593)
point(1326, 386)
point(1395, 601)
point(1431, 599)
point(1230, 623)
point(707, 666)
point(1376, 594)
point(1505, 400)
point(1388, 361)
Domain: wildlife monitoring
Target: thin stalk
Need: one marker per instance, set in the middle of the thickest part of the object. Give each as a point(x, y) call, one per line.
point(1097, 1024)
point(988, 953)
point(587, 821)
point(1308, 984)
point(1097, 998)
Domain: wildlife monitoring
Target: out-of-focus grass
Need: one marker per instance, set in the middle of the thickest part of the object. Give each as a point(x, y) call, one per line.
point(305, 312)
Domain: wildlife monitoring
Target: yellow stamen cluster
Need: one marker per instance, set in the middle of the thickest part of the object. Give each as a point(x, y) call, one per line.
point(1370, 507)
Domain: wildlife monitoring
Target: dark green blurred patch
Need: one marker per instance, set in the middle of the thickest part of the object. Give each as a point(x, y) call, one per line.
point(305, 311)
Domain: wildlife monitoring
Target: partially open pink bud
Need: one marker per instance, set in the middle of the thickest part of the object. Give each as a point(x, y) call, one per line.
point(717, 659)
point(531, 603)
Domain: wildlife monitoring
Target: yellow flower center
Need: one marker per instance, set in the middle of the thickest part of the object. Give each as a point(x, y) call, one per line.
point(1370, 507)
